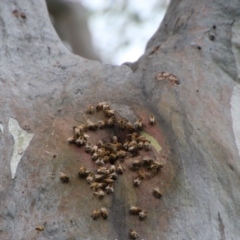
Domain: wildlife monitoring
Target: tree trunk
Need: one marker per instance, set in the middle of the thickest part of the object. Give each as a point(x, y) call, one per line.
point(187, 78)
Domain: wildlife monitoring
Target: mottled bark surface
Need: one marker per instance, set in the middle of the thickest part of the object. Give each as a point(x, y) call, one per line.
point(47, 89)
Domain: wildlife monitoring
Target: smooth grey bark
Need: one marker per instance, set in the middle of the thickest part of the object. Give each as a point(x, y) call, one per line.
point(46, 89)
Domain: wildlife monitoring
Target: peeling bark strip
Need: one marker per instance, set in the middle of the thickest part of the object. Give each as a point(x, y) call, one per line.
point(22, 140)
point(167, 76)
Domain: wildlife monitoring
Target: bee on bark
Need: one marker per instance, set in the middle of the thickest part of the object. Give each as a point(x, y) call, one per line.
point(77, 131)
point(106, 159)
point(110, 121)
point(99, 162)
point(72, 139)
point(119, 169)
point(114, 139)
point(143, 214)
point(136, 182)
point(83, 172)
point(109, 113)
point(100, 106)
point(96, 185)
point(90, 109)
point(109, 188)
point(141, 174)
point(88, 147)
point(147, 161)
point(94, 148)
point(121, 124)
point(95, 156)
point(96, 214)
point(113, 175)
point(121, 154)
point(100, 193)
point(152, 120)
point(98, 177)
point(133, 234)
point(101, 124)
point(147, 145)
point(157, 193)
point(108, 180)
point(138, 124)
point(112, 169)
point(136, 163)
point(103, 170)
point(90, 178)
point(106, 106)
point(64, 178)
point(112, 158)
point(104, 213)
point(91, 125)
point(140, 145)
point(135, 210)
point(155, 166)
point(80, 141)
point(40, 228)
point(130, 127)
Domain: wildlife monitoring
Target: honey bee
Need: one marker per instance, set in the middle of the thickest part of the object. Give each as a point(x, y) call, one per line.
point(113, 176)
point(155, 166)
point(100, 144)
point(130, 127)
point(96, 185)
point(72, 139)
point(143, 214)
point(96, 214)
point(140, 145)
point(64, 178)
point(141, 174)
point(106, 159)
point(104, 213)
point(100, 106)
point(147, 145)
point(95, 156)
point(90, 178)
point(147, 161)
point(119, 169)
point(100, 193)
point(80, 141)
point(88, 148)
point(121, 124)
point(109, 188)
point(98, 177)
point(99, 162)
point(152, 120)
point(156, 192)
point(108, 180)
point(40, 228)
point(110, 121)
point(136, 182)
point(106, 106)
point(83, 172)
point(133, 234)
point(91, 125)
point(137, 163)
point(77, 131)
point(94, 148)
point(109, 113)
point(103, 170)
point(121, 154)
point(135, 210)
point(141, 139)
point(114, 139)
point(138, 124)
point(90, 109)
point(112, 169)
point(101, 124)
point(112, 157)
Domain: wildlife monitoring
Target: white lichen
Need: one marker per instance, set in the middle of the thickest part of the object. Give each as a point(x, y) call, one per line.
point(22, 140)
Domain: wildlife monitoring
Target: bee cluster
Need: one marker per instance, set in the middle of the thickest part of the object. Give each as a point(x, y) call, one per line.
point(109, 157)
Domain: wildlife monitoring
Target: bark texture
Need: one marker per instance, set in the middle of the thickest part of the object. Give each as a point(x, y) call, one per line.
point(47, 89)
